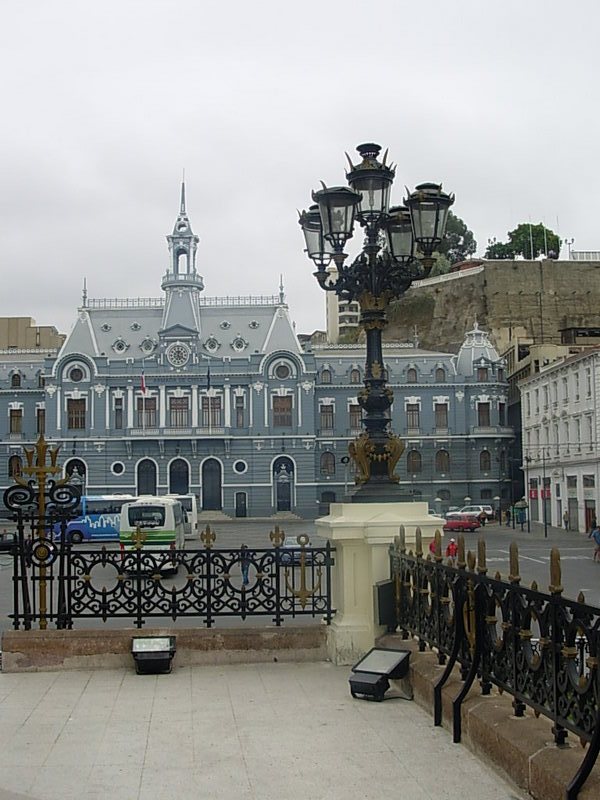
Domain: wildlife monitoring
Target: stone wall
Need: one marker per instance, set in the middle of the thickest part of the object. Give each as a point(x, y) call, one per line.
point(507, 298)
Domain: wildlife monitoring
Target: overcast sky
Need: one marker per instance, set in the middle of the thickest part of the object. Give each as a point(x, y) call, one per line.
point(104, 103)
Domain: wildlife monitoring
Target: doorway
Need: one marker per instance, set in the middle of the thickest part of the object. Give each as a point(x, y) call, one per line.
point(211, 485)
point(179, 477)
point(283, 476)
point(241, 509)
point(146, 477)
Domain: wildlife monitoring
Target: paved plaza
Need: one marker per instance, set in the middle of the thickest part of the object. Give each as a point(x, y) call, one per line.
point(245, 732)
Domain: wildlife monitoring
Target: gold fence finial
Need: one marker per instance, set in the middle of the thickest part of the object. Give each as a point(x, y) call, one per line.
point(471, 561)
point(555, 572)
point(277, 537)
point(481, 557)
point(513, 575)
point(418, 543)
point(207, 537)
point(460, 561)
point(402, 537)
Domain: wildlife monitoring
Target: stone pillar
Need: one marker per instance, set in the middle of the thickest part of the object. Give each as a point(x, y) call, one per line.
point(362, 534)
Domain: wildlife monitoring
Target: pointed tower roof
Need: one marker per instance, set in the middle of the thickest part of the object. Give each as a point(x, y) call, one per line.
point(182, 225)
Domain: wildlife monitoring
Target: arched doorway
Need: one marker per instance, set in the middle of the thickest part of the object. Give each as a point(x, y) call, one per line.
point(146, 477)
point(211, 485)
point(283, 477)
point(76, 472)
point(179, 477)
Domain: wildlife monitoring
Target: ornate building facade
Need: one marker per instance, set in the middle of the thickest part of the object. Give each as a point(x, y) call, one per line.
point(215, 396)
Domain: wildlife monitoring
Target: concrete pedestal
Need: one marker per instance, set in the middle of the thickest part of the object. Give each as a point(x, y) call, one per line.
point(362, 534)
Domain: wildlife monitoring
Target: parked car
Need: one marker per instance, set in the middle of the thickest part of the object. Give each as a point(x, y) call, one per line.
point(461, 522)
point(291, 550)
point(477, 510)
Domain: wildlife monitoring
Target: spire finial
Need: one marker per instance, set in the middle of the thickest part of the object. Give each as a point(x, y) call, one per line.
point(182, 209)
point(84, 293)
point(281, 291)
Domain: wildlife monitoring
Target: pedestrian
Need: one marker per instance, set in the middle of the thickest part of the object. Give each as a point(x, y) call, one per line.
point(451, 551)
point(566, 520)
point(508, 517)
point(432, 547)
point(595, 535)
point(245, 561)
point(482, 517)
point(593, 523)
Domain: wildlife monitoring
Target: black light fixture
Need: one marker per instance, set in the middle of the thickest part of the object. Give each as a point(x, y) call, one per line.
point(399, 246)
point(152, 654)
point(371, 675)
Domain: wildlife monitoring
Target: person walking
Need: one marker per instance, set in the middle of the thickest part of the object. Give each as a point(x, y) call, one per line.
point(595, 535)
point(451, 551)
point(432, 547)
point(566, 520)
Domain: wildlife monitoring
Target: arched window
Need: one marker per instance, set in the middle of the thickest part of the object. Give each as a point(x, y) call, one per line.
point(414, 462)
point(15, 466)
point(326, 376)
point(440, 375)
point(485, 461)
point(15, 381)
point(327, 464)
point(411, 375)
point(442, 461)
point(355, 376)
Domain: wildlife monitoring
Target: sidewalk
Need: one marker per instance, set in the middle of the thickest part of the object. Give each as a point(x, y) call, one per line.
point(245, 732)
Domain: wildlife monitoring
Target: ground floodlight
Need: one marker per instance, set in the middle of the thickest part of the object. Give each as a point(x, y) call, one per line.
point(152, 654)
point(372, 674)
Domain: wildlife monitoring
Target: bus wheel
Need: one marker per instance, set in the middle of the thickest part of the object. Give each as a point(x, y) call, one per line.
point(76, 537)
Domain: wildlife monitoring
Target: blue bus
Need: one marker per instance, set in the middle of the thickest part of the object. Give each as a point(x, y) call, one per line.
point(98, 518)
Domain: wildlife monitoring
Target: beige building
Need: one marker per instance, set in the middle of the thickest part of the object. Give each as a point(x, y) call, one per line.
point(21, 333)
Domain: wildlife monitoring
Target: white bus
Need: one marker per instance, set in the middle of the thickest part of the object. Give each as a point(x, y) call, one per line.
point(159, 520)
point(190, 517)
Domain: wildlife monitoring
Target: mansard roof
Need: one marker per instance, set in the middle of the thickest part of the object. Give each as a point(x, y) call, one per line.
point(231, 326)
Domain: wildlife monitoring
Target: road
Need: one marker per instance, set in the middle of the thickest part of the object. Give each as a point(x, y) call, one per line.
point(579, 572)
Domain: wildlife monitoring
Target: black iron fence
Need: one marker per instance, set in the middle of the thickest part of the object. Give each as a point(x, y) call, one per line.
point(540, 648)
point(200, 584)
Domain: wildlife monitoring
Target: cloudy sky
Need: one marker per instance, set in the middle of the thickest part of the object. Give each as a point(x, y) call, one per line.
point(104, 103)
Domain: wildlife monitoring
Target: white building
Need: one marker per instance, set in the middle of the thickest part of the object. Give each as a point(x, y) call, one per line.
point(560, 423)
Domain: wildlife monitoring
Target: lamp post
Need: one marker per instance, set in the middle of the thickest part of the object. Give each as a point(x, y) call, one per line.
point(383, 271)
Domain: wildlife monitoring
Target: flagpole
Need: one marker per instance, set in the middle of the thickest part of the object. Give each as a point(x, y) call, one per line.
point(143, 395)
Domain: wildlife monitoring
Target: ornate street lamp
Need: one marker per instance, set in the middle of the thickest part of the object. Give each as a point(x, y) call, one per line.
point(383, 271)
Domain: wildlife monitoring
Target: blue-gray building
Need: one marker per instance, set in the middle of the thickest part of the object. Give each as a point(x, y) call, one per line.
point(216, 396)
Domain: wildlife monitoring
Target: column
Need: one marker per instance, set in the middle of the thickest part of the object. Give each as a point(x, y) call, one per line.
point(130, 400)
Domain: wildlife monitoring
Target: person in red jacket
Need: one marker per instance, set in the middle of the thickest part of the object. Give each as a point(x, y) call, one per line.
point(452, 550)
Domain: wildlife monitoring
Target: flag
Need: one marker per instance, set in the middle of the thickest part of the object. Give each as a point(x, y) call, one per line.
point(208, 377)
point(143, 383)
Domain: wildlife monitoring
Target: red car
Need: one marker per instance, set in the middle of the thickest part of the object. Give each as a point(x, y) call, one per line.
point(461, 522)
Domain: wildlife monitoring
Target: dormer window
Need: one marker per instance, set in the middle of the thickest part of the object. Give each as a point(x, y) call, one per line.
point(354, 375)
point(212, 344)
point(15, 381)
point(482, 374)
point(411, 375)
point(326, 376)
point(120, 345)
point(440, 375)
point(239, 344)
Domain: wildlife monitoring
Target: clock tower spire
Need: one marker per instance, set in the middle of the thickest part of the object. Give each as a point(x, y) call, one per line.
point(182, 286)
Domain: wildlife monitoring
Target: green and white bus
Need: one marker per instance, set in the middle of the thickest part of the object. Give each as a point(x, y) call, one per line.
point(159, 521)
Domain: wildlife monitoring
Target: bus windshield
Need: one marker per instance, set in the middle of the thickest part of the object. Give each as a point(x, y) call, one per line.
point(146, 516)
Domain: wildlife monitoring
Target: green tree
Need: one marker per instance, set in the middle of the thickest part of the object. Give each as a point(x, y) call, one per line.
point(526, 240)
point(459, 243)
point(499, 250)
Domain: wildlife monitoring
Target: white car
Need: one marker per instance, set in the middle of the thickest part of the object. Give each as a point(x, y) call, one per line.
point(477, 510)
